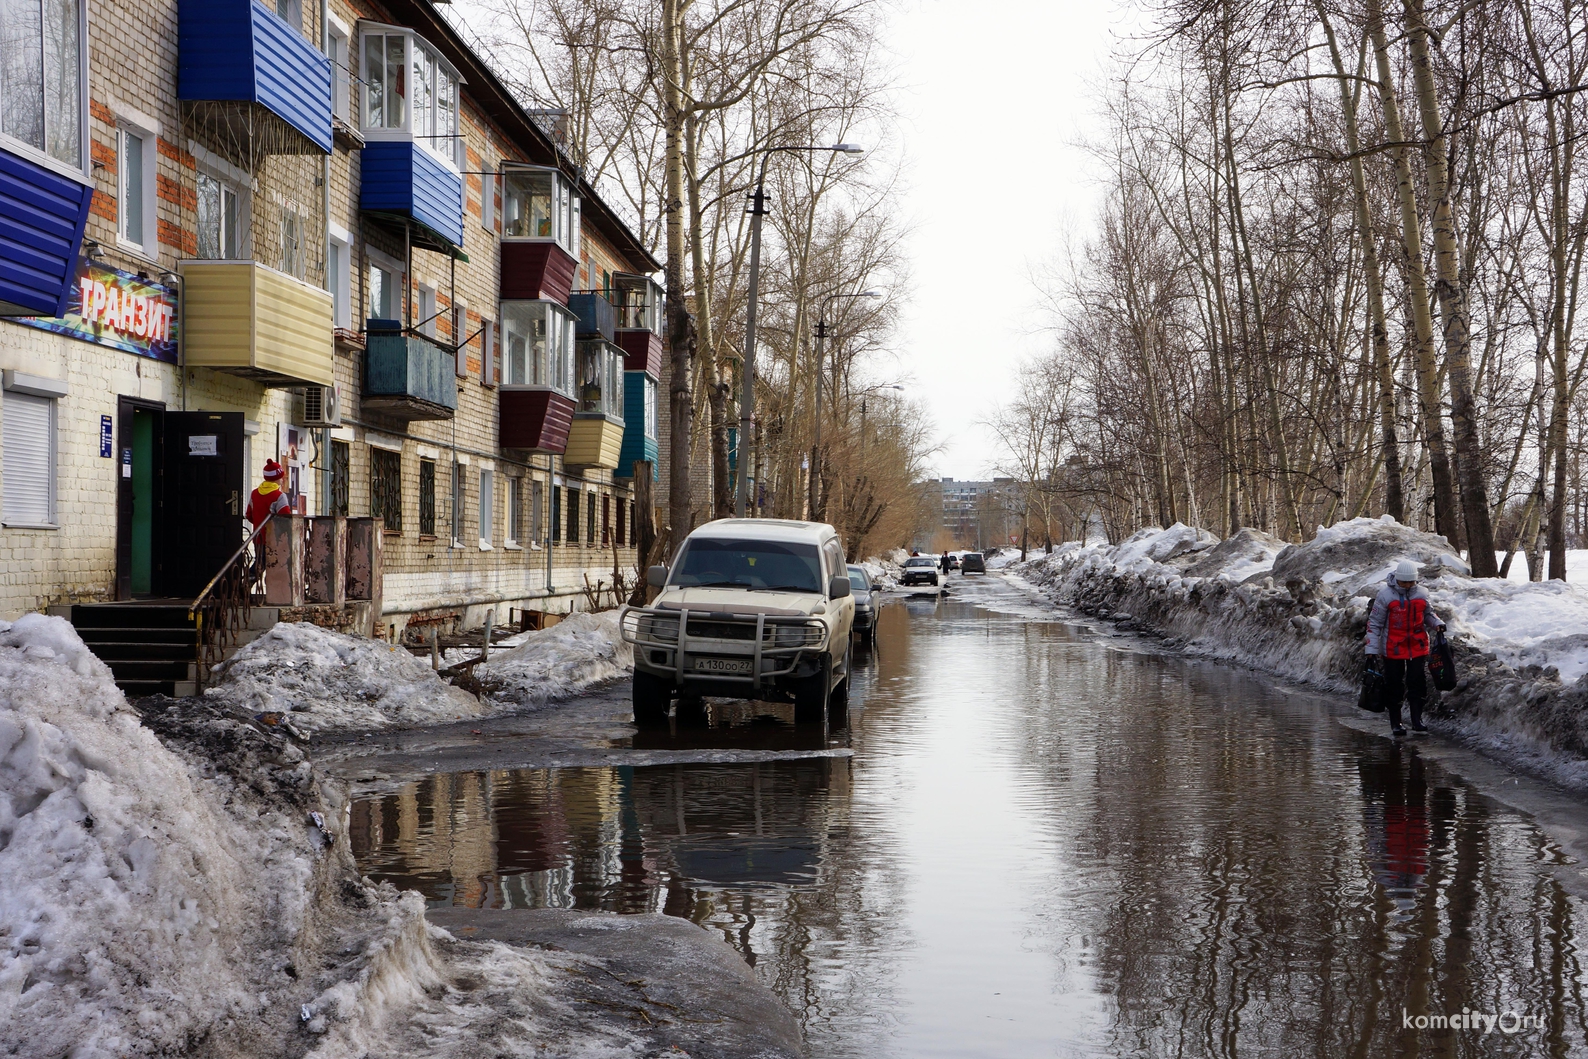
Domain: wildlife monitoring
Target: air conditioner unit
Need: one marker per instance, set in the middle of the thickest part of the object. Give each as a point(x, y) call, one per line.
point(318, 406)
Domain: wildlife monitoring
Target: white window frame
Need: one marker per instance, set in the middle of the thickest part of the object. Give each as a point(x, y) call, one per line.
point(393, 268)
point(537, 513)
point(567, 209)
point(83, 171)
point(490, 355)
point(453, 156)
point(14, 393)
point(515, 512)
point(149, 245)
point(488, 184)
point(459, 494)
point(337, 278)
point(425, 309)
point(487, 505)
point(338, 48)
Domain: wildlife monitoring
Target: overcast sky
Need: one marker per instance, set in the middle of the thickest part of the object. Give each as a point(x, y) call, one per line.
point(995, 95)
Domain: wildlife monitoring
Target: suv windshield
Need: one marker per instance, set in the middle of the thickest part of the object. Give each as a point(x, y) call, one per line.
point(725, 563)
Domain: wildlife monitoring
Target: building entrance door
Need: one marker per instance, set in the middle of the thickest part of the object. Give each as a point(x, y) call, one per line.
point(202, 508)
point(138, 430)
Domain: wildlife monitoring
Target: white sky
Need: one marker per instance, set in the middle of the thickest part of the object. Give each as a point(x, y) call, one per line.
point(994, 96)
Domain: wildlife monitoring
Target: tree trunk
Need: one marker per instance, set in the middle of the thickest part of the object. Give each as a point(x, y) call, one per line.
point(645, 531)
point(680, 327)
point(1452, 294)
point(1445, 521)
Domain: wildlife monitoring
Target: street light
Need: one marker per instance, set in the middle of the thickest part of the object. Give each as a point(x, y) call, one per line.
point(816, 443)
point(747, 398)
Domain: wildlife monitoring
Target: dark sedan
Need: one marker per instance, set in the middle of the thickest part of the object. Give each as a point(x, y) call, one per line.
point(860, 587)
point(973, 563)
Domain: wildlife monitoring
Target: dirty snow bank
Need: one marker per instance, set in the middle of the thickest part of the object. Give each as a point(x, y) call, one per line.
point(320, 679)
point(884, 570)
point(579, 652)
point(1300, 611)
point(180, 883)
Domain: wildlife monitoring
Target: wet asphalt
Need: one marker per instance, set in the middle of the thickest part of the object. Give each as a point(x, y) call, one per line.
point(1034, 838)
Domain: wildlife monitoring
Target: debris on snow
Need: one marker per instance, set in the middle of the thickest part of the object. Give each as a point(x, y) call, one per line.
point(1300, 611)
point(322, 680)
point(579, 652)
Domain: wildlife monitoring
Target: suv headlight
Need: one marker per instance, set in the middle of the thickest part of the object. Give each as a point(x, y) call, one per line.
point(806, 635)
point(655, 627)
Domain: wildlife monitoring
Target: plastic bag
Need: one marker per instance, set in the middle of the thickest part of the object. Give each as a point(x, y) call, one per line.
point(1371, 698)
point(1442, 664)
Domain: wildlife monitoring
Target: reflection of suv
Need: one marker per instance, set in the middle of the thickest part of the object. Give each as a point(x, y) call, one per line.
point(919, 570)
point(752, 608)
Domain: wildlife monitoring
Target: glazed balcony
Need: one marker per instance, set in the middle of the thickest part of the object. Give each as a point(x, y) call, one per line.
point(407, 376)
point(596, 438)
point(245, 319)
point(639, 424)
point(240, 51)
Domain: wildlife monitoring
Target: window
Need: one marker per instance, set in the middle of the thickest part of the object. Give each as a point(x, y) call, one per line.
point(386, 487)
point(29, 469)
point(515, 512)
point(590, 519)
point(620, 538)
point(293, 259)
point(539, 345)
point(650, 405)
point(457, 504)
point(290, 13)
point(488, 200)
point(427, 498)
point(42, 73)
point(540, 204)
point(638, 300)
point(384, 298)
point(336, 41)
point(410, 89)
point(341, 476)
point(606, 521)
point(556, 514)
point(600, 378)
point(427, 311)
point(573, 515)
point(135, 187)
point(338, 253)
point(535, 507)
point(218, 219)
point(489, 372)
point(487, 517)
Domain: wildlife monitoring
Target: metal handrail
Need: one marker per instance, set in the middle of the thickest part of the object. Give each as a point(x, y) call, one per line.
point(228, 600)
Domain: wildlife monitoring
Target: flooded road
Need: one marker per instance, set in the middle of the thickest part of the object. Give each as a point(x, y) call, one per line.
point(1051, 841)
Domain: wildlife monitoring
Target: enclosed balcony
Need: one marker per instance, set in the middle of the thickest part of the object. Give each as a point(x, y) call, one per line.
point(639, 424)
point(407, 376)
point(638, 302)
point(240, 51)
point(540, 233)
point(597, 317)
point(412, 162)
point(596, 438)
point(245, 319)
point(536, 401)
point(42, 214)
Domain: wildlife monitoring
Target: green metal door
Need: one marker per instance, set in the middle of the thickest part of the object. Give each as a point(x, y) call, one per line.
point(143, 501)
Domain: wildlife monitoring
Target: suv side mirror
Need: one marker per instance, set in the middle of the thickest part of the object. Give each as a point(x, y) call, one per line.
point(838, 588)
point(656, 576)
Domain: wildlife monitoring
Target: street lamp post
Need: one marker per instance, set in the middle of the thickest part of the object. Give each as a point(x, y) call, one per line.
point(747, 396)
point(816, 443)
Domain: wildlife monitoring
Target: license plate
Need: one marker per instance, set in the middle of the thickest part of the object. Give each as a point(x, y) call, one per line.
point(723, 665)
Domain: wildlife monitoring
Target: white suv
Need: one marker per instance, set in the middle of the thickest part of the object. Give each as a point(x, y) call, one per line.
point(752, 608)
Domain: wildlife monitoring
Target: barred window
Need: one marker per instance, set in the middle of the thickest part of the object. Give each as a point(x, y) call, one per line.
point(341, 476)
point(535, 504)
point(621, 542)
point(606, 522)
point(386, 487)
point(590, 523)
point(556, 514)
point(427, 498)
point(573, 516)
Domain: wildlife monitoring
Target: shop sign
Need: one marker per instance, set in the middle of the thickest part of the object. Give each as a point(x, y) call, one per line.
point(117, 309)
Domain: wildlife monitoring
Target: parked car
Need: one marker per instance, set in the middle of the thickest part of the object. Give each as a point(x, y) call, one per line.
point(751, 608)
point(973, 563)
point(919, 570)
point(865, 608)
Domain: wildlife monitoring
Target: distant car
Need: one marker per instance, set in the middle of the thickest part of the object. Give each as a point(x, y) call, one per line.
point(865, 627)
point(973, 563)
point(953, 562)
point(919, 570)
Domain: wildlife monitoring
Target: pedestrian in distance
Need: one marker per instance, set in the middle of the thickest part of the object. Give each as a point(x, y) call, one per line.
point(268, 498)
point(1399, 626)
point(946, 564)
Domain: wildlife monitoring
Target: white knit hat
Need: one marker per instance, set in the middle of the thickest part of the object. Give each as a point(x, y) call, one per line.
point(1406, 571)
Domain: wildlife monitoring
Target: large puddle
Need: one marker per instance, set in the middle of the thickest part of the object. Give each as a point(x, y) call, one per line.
point(1047, 846)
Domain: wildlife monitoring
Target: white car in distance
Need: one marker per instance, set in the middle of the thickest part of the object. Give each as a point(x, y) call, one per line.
point(751, 608)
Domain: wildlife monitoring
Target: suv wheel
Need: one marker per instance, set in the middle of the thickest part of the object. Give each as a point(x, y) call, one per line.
point(652, 696)
point(838, 700)
point(812, 693)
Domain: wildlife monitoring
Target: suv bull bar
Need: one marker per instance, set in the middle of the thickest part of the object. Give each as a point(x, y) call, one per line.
point(658, 629)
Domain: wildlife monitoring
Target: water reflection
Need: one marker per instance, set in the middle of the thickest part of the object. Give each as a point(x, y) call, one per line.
point(1045, 846)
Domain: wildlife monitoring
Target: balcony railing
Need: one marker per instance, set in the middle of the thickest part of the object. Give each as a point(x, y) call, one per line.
point(406, 375)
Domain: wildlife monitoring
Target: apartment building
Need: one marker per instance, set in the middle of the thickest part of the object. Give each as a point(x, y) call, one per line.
point(325, 234)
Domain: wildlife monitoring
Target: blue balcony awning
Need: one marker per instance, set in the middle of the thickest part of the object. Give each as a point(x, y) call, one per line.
point(401, 177)
point(42, 214)
point(241, 51)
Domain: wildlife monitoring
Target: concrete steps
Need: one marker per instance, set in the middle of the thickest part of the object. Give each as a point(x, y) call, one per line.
point(152, 647)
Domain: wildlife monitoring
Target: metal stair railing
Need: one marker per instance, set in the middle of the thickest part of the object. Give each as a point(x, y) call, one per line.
point(222, 610)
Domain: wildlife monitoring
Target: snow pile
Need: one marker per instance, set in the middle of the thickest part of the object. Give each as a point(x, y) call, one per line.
point(324, 680)
point(577, 653)
point(1301, 610)
point(884, 570)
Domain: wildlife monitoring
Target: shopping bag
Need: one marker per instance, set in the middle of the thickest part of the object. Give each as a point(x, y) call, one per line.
point(1442, 664)
point(1371, 698)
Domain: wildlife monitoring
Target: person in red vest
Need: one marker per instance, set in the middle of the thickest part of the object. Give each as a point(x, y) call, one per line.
point(269, 499)
point(1398, 629)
